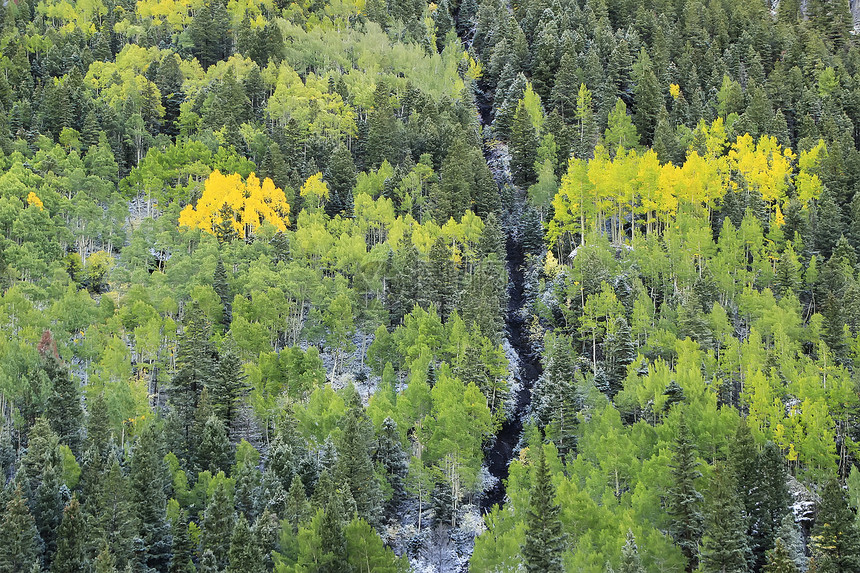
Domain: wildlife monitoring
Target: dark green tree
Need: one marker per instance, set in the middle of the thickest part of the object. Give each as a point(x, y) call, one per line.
point(684, 500)
point(835, 540)
point(71, 555)
point(217, 524)
point(354, 464)
point(20, 544)
point(725, 545)
point(149, 479)
point(779, 560)
point(544, 542)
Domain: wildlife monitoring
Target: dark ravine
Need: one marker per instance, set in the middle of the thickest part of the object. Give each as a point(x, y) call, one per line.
point(501, 453)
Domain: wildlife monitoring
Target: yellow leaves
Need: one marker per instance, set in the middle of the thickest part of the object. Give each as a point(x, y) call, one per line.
point(550, 265)
point(474, 69)
point(315, 188)
point(243, 205)
point(807, 183)
point(674, 91)
point(33, 199)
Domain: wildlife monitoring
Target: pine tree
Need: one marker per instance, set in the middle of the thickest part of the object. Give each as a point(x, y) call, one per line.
point(684, 499)
point(391, 457)
point(244, 555)
point(229, 385)
point(63, 410)
point(20, 544)
point(544, 542)
point(182, 545)
point(791, 537)
point(111, 513)
point(354, 466)
point(297, 507)
point(646, 93)
point(48, 507)
point(217, 524)
point(71, 555)
point(214, 452)
point(630, 561)
point(779, 560)
point(105, 562)
point(222, 289)
point(725, 546)
point(835, 540)
point(524, 145)
point(341, 178)
point(149, 479)
point(195, 365)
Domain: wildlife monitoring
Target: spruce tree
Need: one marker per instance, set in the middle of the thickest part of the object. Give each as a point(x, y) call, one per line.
point(217, 524)
point(779, 560)
point(544, 542)
point(63, 410)
point(524, 145)
point(391, 457)
point(229, 385)
point(20, 544)
point(354, 465)
point(725, 545)
point(630, 561)
point(297, 507)
point(111, 514)
point(182, 545)
point(215, 451)
point(149, 479)
point(684, 499)
point(222, 289)
point(835, 540)
point(71, 555)
point(244, 555)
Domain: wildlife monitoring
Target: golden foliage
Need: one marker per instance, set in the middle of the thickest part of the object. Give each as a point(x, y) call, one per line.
point(243, 205)
point(33, 199)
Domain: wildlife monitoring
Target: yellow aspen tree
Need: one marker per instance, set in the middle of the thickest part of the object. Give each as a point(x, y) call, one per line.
point(228, 202)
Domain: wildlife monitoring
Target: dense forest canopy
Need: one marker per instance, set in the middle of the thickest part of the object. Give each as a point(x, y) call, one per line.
point(368, 285)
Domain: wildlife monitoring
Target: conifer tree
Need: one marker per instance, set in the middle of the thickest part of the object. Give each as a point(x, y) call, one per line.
point(779, 560)
point(544, 542)
point(217, 524)
point(20, 544)
point(64, 401)
point(244, 555)
point(354, 465)
point(148, 477)
point(71, 555)
point(683, 498)
point(297, 506)
point(524, 145)
point(214, 452)
point(835, 541)
point(105, 562)
point(391, 457)
point(725, 547)
point(111, 513)
point(222, 289)
point(630, 561)
point(182, 545)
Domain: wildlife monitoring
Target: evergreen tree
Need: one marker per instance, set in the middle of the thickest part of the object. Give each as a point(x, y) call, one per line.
point(244, 555)
point(182, 545)
point(214, 452)
point(725, 546)
point(630, 561)
point(71, 555)
point(779, 560)
point(792, 539)
point(149, 480)
point(524, 145)
point(341, 178)
point(64, 401)
point(195, 365)
point(217, 524)
point(684, 499)
point(228, 386)
point(391, 457)
point(111, 514)
point(544, 542)
point(297, 506)
point(222, 289)
point(835, 540)
point(354, 466)
point(20, 544)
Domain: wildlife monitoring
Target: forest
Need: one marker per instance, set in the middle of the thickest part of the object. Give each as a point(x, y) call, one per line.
point(354, 286)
